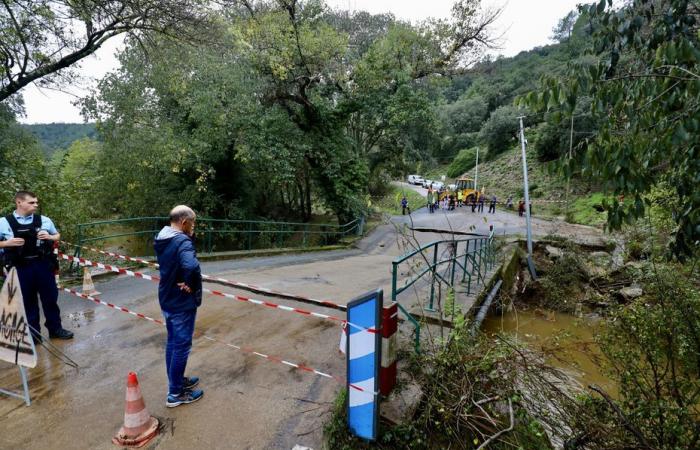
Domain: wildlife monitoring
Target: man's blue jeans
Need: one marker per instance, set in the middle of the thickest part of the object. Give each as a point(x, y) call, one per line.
point(180, 328)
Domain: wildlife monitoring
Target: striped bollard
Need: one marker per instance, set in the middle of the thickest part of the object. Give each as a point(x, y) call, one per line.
point(387, 371)
point(363, 355)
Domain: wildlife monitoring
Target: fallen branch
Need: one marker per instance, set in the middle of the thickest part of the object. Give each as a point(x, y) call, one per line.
point(503, 431)
point(637, 434)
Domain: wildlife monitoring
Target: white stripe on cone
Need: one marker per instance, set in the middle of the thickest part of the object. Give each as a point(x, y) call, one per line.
point(132, 394)
point(136, 420)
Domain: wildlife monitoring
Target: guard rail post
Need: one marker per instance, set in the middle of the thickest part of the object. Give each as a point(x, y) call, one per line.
point(433, 278)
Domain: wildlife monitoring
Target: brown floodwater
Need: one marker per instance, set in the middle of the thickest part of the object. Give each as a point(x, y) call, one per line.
point(567, 341)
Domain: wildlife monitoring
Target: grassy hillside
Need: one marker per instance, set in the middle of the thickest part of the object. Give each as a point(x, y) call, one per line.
point(503, 176)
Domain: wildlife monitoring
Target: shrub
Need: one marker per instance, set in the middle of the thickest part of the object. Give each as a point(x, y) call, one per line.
point(500, 131)
point(465, 160)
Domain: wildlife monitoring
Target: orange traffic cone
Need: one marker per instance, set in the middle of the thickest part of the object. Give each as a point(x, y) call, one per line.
point(139, 426)
point(88, 285)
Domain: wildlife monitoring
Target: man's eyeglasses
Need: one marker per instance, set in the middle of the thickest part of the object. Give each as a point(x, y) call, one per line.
point(36, 202)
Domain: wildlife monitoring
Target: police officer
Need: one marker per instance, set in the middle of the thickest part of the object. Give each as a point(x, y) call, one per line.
point(27, 241)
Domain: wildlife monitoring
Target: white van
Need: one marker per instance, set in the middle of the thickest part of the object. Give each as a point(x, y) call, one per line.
point(415, 179)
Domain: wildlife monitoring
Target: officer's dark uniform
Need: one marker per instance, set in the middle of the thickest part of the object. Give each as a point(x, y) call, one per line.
point(35, 265)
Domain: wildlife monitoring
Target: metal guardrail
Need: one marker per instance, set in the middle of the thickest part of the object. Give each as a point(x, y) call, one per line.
point(244, 234)
point(473, 257)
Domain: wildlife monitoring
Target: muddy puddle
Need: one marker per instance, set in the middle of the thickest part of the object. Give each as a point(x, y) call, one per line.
point(81, 318)
point(566, 340)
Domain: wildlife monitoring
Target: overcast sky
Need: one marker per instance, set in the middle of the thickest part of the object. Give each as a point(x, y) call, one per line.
point(524, 24)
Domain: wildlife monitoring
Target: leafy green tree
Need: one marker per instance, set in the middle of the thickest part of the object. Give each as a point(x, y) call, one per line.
point(466, 115)
point(500, 131)
point(465, 160)
point(42, 38)
point(23, 167)
point(289, 115)
point(658, 367)
point(558, 135)
point(76, 196)
point(21, 162)
point(171, 130)
point(644, 91)
point(565, 27)
point(321, 94)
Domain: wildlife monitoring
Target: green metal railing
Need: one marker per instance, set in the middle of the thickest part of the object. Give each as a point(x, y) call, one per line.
point(472, 257)
point(232, 234)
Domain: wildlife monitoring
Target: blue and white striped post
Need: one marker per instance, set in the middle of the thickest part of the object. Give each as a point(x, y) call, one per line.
point(363, 360)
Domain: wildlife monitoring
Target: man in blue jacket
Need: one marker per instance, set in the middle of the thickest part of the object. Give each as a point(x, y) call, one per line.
point(179, 294)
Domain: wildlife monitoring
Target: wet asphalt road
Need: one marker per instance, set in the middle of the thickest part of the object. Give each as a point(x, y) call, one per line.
point(249, 401)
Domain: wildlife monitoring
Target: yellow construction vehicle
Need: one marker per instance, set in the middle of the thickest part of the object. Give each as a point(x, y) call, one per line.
point(466, 186)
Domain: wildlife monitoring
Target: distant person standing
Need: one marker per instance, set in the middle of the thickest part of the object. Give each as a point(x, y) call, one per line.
point(404, 206)
point(521, 208)
point(431, 200)
point(482, 198)
point(509, 202)
point(492, 205)
point(26, 239)
point(179, 295)
point(459, 198)
point(473, 202)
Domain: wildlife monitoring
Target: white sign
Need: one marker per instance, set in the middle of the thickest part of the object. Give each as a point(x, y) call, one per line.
point(16, 343)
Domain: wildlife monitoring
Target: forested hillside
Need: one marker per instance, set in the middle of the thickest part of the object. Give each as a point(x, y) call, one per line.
point(478, 107)
point(59, 136)
point(290, 117)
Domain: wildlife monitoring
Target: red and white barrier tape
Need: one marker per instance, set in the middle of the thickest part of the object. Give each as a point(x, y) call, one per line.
point(109, 267)
point(156, 279)
point(111, 305)
point(114, 255)
point(275, 359)
point(263, 290)
point(231, 283)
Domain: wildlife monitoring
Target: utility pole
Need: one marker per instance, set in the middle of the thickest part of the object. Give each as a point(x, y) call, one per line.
point(476, 174)
point(530, 263)
point(568, 178)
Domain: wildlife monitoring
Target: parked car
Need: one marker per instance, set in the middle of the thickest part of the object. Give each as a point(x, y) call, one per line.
point(415, 179)
point(437, 185)
point(427, 183)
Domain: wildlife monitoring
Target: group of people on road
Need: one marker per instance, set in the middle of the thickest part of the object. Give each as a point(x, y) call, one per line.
point(27, 244)
point(440, 198)
point(457, 199)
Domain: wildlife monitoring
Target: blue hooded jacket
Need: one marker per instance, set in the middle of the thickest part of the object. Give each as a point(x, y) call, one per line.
point(178, 264)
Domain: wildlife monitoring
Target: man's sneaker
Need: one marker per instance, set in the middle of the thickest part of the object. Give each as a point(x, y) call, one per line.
point(190, 382)
point(61, 334)
point(187, 396)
